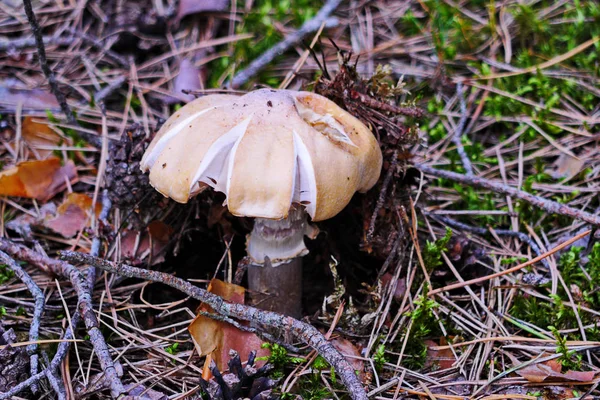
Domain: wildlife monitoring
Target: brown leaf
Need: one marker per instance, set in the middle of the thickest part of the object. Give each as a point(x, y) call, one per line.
point(352, 354)
point(216, 337)
point(442, 358)
point(156, 237)
point(188, 7)
point(188, 78)
point(400, 290)
point(13, 92)
point(565, 166)
point(73, 215)
point(37, 134)
point(40, 180)
point(552, 372)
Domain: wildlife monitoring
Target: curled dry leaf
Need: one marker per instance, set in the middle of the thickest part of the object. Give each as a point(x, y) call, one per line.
point(39, 180)
point(218, 338)
point(39, 134)
point(73, 215)
point(551, 371)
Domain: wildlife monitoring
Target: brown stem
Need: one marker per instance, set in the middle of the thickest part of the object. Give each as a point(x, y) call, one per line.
point(277, 289)
point(275, 248)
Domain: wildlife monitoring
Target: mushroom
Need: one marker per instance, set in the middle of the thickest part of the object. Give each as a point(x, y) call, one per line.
point(278, 156)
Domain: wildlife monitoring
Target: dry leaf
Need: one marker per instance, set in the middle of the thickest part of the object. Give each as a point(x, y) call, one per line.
point(40, 180)
point(13, 92)
point(188, 78)
point(216, 337)
point(565, 166)
point(352, 355)
point(442, 358)
point(37, 134)
point(551, 371)
point(137, 245)
point(188, 7)
point(73, 215)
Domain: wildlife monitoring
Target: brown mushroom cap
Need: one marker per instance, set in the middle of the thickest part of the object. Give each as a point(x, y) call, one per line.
point(265, 150)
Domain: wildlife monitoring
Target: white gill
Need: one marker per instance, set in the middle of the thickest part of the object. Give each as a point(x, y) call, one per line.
point(304, 190)
point(151, 158)
point(217, 165)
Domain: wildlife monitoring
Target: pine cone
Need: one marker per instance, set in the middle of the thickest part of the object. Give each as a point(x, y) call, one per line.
point(127, 185)
point(241, 382)
point(14, 362)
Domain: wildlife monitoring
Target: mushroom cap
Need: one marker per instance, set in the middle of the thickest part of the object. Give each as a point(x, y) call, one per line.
point(266, 150)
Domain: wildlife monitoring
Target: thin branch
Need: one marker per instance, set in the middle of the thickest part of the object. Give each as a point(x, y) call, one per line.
point(41, 49)
point(501, 232)
point(510, 270)
point(551, 206)
point(38, 310)
point(84, 306)
point(322, 17)
point(458, 132)
point(300, 330)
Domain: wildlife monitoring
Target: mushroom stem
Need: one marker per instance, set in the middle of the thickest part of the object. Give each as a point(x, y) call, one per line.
point(276, 248)
point(277, 289)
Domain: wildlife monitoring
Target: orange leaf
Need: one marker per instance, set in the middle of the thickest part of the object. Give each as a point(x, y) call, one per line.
point(73, 215)
point(218, 338)
point(37, 134)
point(40, 180)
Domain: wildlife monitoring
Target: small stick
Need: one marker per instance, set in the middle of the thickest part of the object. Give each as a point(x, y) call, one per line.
point(551, 206)
point(264, 59)
point(458, 133)
point(84, 308)
point(60, 97)
point(38, 296)
point(41, 49)
point(302, 331)
point(510, 270)
point(61, 353)
point(501, 232)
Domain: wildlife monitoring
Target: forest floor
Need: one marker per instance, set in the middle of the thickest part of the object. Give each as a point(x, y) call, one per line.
point(471, 270)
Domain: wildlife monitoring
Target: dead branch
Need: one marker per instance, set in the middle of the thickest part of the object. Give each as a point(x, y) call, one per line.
point(84, 307)
point(322, 17)
point(60, 97)
point(300, 330)
point(510, 270)
point(41, 49)
point(500, 232)
point(551, 206)
point(38, 296)
point(458, 132)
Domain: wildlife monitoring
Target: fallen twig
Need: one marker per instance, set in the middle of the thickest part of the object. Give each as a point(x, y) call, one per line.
point(58, 358)
point(551, 206)
point(264, 59)
point(41, 49)
point(510, 270)
point(501, 232)
point(38, 297)
point(458, 132)
point(302, 331)
point(60, 97)
point(84, 307)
